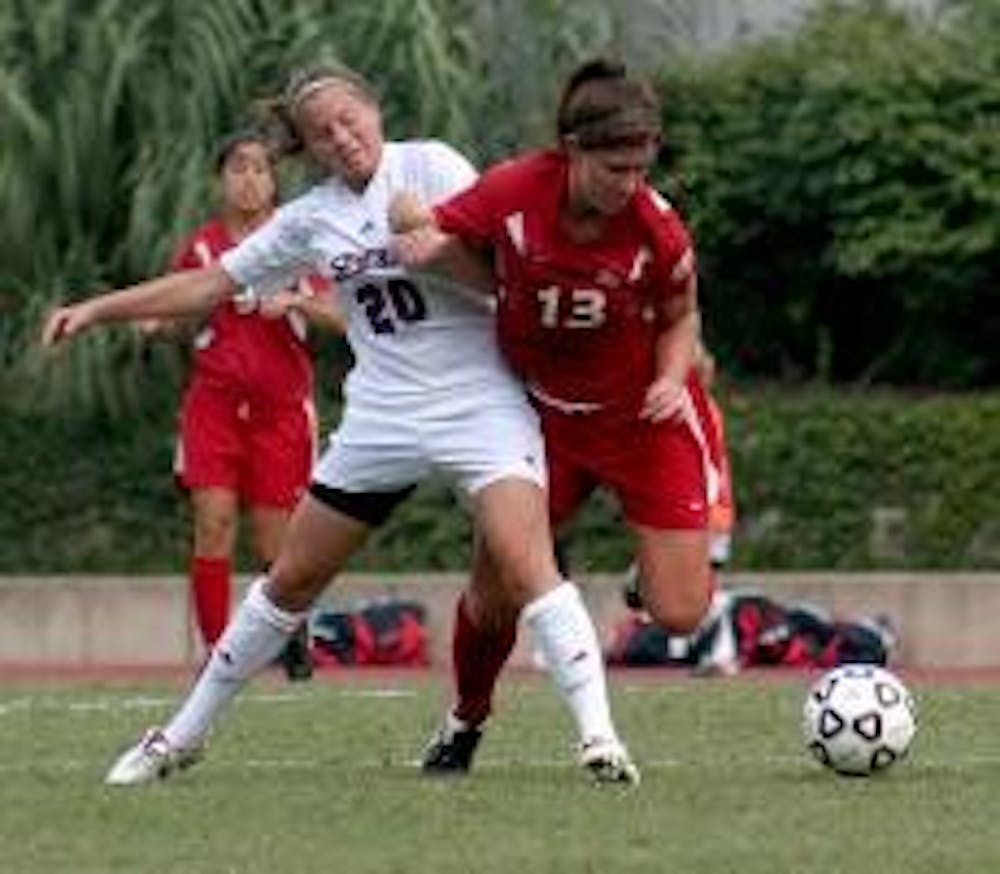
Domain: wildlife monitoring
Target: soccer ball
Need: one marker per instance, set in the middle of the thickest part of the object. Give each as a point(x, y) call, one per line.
point(859, 719)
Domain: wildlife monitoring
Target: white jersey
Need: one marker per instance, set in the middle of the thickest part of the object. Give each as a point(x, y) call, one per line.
point(410, 335)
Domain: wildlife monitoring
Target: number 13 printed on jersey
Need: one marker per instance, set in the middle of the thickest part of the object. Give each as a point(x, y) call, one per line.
point(573, 308)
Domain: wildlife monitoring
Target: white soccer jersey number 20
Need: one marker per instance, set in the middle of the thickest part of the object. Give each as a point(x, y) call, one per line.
point(585, 307)
point(388, 303)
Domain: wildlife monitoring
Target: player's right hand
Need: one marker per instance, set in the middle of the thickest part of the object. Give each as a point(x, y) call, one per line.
point(64, 322)
point(407, 212)
point(665, 400)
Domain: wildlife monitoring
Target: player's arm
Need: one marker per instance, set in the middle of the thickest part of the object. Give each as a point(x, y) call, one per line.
point(422, 246)
point(680, 321)
point(318, 305)
point(188, 293)
point(430, 250)
point(174, 330)
point(193, 253)
point(321, 310)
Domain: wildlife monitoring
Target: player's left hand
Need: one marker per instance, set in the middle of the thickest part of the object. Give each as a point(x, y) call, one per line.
point(665, 399)
point(419, 248)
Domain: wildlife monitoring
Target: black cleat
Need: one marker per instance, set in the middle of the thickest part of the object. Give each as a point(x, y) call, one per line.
point(296, 658)
point(451, 750)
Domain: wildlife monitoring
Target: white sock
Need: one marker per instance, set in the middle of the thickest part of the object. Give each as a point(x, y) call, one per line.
point(568, 641)
point(255, 636)
point(723, 651)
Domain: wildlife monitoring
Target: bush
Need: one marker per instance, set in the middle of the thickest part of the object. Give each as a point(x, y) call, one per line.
point(89, 496)
point(845, 480)
point(844, 185)
point(824, 479)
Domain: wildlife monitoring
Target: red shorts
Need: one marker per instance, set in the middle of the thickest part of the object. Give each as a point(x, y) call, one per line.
point(263, 452)
point(659, 473)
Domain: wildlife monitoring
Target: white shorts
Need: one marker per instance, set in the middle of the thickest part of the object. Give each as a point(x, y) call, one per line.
point(471, 441)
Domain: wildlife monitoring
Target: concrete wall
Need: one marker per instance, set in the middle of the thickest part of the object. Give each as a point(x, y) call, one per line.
point(945, 620)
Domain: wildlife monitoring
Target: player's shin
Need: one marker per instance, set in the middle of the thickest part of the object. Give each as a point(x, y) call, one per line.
point(478, 655)
point(254, 637)
point(566, 637)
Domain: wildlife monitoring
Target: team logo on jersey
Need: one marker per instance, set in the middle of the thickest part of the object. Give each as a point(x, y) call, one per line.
point(349, 264)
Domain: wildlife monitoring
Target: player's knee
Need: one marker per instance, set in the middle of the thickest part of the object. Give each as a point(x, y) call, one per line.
point(680, 612)
point(266, 547)
point(516, 576)
point(214, 534)
point(294, 586)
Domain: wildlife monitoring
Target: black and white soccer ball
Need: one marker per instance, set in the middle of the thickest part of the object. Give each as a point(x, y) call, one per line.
point(859, 719)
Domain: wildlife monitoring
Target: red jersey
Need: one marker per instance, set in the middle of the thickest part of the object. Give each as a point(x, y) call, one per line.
point(261, 358)
point(577, 321)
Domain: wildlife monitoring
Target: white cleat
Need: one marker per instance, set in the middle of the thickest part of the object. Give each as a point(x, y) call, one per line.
point(608, 762)
point(152, 758)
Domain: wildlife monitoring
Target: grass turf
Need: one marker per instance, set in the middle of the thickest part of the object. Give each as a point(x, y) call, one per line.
point(322, 777)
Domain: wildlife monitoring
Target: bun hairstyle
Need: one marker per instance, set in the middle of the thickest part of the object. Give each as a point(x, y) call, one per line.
point(280, 112)
point(603, 107)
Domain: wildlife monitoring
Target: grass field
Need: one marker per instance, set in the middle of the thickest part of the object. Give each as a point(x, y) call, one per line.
point(321, 778)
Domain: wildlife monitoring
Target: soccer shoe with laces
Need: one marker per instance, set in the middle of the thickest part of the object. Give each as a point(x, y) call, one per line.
point(452, 749)
point(608, 761)
point(152, 758)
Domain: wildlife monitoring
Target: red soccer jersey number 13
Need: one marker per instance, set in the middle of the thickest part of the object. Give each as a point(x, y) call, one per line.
point(577, 321)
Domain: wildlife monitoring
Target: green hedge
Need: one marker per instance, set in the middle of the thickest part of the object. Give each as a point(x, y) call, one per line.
point(843, 182)
point(88, 496)
point(812, 469)
point(815, 469)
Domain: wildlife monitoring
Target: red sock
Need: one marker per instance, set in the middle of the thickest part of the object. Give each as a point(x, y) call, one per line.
point(210, 587)
point(478, 655)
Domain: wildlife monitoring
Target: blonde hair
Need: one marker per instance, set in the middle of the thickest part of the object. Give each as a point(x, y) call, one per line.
point(280, 112)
